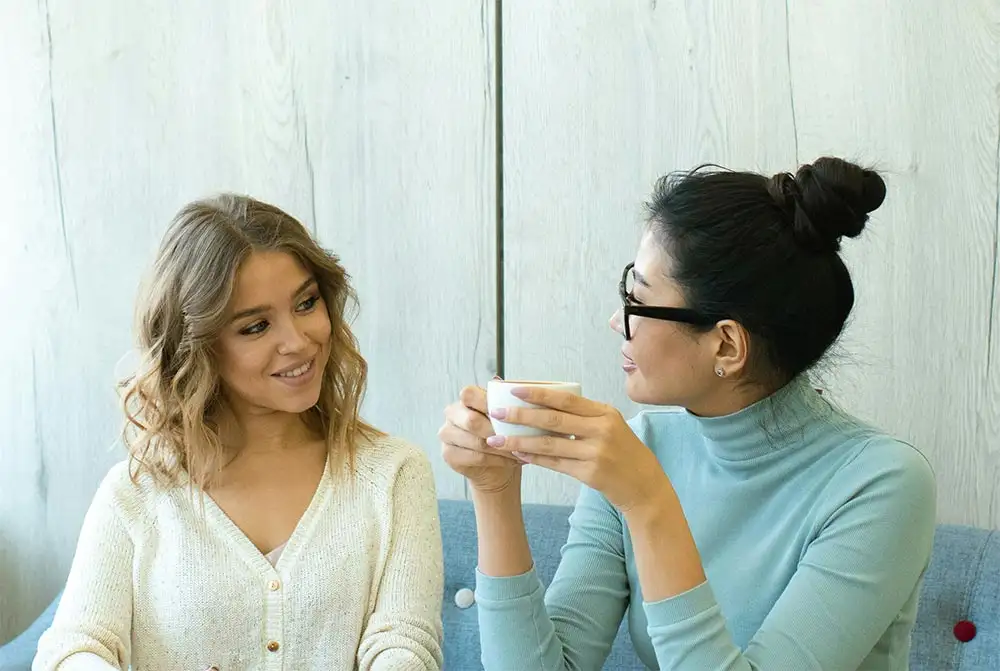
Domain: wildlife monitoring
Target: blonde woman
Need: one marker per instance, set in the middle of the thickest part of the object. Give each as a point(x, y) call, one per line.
point(259, 522)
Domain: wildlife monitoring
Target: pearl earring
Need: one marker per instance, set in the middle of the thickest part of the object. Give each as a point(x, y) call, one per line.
point(720, 372)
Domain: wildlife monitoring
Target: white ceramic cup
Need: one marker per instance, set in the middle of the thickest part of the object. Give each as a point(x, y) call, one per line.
point(498, 396)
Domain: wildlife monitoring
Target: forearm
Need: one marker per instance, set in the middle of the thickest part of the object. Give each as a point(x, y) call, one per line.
point(666, 556)
point(86, 661)
point(503, 541)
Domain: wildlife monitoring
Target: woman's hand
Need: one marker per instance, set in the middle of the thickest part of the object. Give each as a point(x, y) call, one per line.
point(603, 452)
point(463, 445)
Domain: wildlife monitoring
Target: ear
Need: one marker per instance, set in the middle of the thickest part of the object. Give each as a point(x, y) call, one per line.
point(732, 348)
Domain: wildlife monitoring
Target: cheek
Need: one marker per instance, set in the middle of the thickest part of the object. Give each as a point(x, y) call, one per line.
point(240, 362)
point(319, 327)
point(667, 357)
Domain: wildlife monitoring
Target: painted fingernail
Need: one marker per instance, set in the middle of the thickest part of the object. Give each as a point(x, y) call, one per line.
point(524, 458)
point(520, 392)
point(498, 413)
point(495, 441)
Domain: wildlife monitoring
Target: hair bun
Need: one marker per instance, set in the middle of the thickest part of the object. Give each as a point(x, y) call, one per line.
point(827, 200)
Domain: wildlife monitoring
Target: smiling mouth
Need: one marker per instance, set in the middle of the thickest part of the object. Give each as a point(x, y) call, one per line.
point(298, 372)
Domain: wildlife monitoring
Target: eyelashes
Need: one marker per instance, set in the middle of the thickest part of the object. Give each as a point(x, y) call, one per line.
point(259, 326)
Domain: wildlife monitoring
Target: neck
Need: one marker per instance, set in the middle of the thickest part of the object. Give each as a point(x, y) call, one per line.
point(248, 431)
point(729, 399)
point(779, 420)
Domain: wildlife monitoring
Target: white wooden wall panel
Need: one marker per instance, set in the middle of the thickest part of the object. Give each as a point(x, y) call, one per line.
point(371, 123)
point(599, 100)
point(918, 97)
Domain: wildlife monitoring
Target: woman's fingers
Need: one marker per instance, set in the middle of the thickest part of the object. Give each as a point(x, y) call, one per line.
point(455, 437)
point(473, 397)
point(547, 419)
point(469, 419)
point(460, 458)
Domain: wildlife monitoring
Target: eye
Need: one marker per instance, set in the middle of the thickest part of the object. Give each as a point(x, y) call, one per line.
point(255, 328)
point(632, 299)
point(309, 303)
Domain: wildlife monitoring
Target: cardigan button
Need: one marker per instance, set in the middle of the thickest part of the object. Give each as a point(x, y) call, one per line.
point(274, 585)
point(273, 646)
point(965, 631)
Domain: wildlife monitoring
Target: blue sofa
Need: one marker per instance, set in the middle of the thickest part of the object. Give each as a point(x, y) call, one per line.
point(962, 585)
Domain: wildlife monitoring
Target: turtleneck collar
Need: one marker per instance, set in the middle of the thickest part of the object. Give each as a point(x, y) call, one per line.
point(778, 421)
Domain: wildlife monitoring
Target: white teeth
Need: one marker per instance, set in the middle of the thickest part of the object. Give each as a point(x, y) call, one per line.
point(301, 370)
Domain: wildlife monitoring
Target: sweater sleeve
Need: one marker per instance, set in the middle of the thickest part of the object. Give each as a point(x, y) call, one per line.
point(91, 629)
point(851, 583)
point(573, 624)
point(405, 631)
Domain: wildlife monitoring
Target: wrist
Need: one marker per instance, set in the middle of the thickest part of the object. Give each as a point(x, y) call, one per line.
point(497, 490)
point(660, 505)
point(509, 494)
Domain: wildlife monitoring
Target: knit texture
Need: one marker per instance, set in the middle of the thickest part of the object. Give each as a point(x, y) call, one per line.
point(160, 582)
point(814, 530)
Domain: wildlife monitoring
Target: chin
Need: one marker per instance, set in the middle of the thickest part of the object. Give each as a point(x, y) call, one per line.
point(634, 389)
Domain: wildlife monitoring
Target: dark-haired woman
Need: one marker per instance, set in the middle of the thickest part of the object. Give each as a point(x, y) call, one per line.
point(759, 527)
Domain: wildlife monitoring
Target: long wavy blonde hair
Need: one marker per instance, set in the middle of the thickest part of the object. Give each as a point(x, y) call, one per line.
point(172, 401)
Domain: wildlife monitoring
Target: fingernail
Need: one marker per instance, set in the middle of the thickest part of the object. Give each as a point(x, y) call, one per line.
point(498, 413)
point(495, 441)
point(524, 458)
point(520, 392)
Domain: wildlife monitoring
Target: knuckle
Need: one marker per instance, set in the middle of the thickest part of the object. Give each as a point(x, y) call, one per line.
point(480, 425)
point(473, 422)
point(469, 394)
point(552, 420)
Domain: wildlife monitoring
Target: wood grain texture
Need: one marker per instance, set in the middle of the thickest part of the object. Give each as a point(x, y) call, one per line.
point(405, 128)
point(373, 126)
point(600, 100)
point(912, 88)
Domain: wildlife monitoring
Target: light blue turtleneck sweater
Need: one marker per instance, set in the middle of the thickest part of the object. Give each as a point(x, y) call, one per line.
point(814, 530)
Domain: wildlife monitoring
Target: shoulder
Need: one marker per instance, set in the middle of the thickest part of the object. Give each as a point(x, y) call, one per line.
point(125, 498)
point(387, 460)
point(891, 466)
point(119, 488)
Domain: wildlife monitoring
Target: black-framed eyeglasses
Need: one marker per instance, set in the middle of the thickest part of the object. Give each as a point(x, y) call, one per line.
point(629, 308)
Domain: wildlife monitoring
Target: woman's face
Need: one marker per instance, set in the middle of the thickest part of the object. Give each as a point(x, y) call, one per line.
point(665, 363)
point(276, 344)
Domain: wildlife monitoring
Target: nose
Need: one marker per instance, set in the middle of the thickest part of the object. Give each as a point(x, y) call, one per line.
point(293, 338)
point(616, 322)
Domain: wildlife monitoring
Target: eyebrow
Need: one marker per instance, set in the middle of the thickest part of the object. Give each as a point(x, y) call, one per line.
point(639, 279)
point(249, 312)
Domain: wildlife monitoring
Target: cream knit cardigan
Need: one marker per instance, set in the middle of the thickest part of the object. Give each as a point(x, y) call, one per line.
point(158, 584)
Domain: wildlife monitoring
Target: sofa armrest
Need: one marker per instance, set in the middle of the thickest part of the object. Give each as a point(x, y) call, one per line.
point(19, 653)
